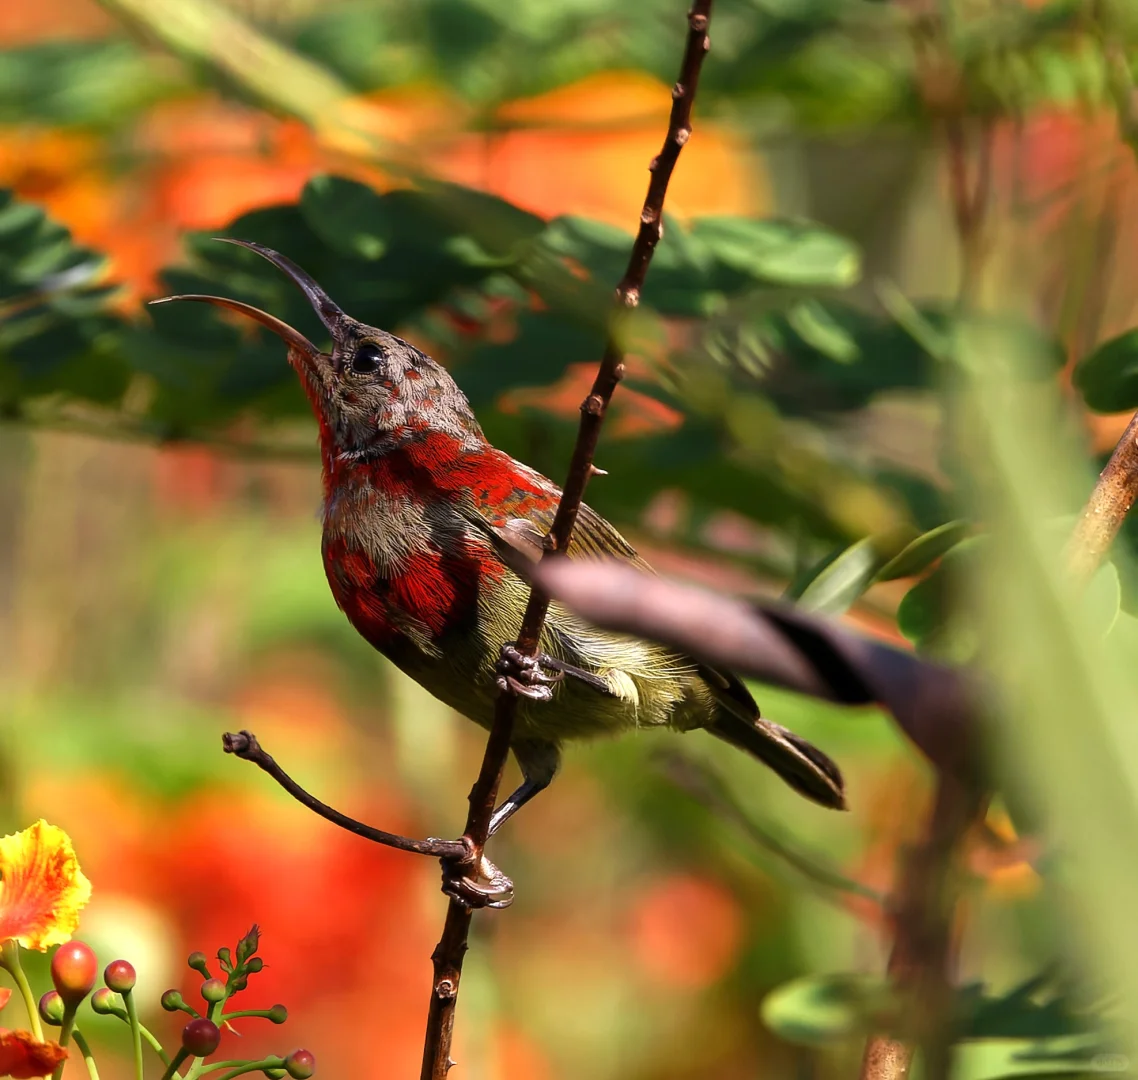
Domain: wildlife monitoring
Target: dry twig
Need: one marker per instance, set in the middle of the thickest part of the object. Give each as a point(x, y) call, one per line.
point(449, 952)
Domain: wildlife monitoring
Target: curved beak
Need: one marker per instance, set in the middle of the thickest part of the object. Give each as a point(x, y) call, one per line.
point(309, 361)
point(294, 339)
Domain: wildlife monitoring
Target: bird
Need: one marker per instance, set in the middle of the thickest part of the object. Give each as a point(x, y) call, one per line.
point(428, 531)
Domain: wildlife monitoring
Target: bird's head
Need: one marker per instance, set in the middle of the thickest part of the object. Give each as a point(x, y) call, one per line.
point(372, 390)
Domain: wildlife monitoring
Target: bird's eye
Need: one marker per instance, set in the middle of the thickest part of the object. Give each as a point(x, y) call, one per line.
point(367, 359)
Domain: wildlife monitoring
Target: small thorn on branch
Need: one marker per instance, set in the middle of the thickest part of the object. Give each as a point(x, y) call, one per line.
point(594, 471)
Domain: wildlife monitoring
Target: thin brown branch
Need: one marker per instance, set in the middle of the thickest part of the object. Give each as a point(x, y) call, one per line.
point(921, 962)
point(449, 953)
point(1106, 509)
point(244, 744)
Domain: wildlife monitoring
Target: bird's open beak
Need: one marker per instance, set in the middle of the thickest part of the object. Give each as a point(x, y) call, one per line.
point(314, 366)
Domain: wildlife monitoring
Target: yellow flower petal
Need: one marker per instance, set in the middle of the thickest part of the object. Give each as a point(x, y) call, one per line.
point(41, 887)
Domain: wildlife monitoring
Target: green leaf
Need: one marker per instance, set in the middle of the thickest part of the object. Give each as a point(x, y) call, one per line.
point(925, 550)
point(1108, 377)
point(781, 252)
point(841, 581)
point(818, 328)
point(823, 1009)
point(347, 215)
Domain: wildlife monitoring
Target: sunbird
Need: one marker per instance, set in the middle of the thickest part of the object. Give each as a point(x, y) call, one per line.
point(428, 531)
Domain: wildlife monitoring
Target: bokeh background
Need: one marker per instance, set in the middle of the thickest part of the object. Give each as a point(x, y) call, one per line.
point(160, 580)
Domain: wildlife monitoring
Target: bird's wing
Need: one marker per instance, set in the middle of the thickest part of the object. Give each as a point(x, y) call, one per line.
point(518, 527)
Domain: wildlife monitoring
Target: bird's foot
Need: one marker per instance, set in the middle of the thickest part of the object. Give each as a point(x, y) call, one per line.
point(524, 675)
point(477, 883)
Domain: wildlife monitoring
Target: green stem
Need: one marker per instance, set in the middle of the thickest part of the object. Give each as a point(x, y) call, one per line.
point(172, 1068)
point(65, 1035)
point(253, 1066)
point(10, 962)
point(85, 1050)
point(245, 1066)
point(135, 1031)
point(155, 1045)
point(262, 1013)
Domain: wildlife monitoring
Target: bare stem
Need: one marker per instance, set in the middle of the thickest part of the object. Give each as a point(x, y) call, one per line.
point(452, 946)
point(243, 744)
point(922, 957)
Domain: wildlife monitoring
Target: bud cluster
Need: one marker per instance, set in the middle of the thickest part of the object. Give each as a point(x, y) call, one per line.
point(74, 972)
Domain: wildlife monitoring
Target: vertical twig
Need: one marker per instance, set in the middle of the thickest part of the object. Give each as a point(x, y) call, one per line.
point(921, 960)
point(449, 952)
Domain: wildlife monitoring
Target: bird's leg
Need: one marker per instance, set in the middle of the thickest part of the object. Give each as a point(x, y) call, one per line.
point(539, 762)
point(525, 675)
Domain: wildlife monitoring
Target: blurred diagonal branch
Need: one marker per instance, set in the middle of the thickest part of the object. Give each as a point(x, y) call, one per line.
point(208, 33)
point(702, 784)
point(451, 949)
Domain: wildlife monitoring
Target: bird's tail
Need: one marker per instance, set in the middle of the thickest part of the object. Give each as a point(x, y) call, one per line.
point(803, 766)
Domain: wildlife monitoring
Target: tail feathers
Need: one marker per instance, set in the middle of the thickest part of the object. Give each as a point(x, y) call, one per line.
point(803, 766)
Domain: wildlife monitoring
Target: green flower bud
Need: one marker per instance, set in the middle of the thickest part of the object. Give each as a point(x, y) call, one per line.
point(51, 1008)
point(213, 990)
point(278, 1014)
point(172, 1001)
point(197, 961)
point(254, 965)
point(105, 1002)
point(275, 1074)
point(248, 944)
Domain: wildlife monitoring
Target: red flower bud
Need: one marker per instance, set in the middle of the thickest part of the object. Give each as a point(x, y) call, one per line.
point(300, 1064)
point(74, 970)
point(200, 1037)
point(120, 976)
point(51, 1008)
point(213, 990)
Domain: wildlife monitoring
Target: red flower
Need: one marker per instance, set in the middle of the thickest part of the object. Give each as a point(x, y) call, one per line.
point(23, 1056)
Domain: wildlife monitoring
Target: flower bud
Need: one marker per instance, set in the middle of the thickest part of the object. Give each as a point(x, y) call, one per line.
point(200, 1037)
point(225, 958)
point(198, 961)
point(300, 1064)
point(278, 1014)
point(213, 990)
point(248, 944)
point(120, 976)
point(275, 1074)
point(105, 1002)
point(74, 970)
point(254, 965)
point(51, 1008)
point(172, 1001)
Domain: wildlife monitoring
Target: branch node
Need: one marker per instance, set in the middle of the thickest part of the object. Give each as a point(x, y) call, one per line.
point(678, 91)
point(682, 135)
point(593, 405)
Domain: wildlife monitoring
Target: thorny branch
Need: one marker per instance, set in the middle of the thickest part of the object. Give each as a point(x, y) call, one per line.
point(448, 955)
